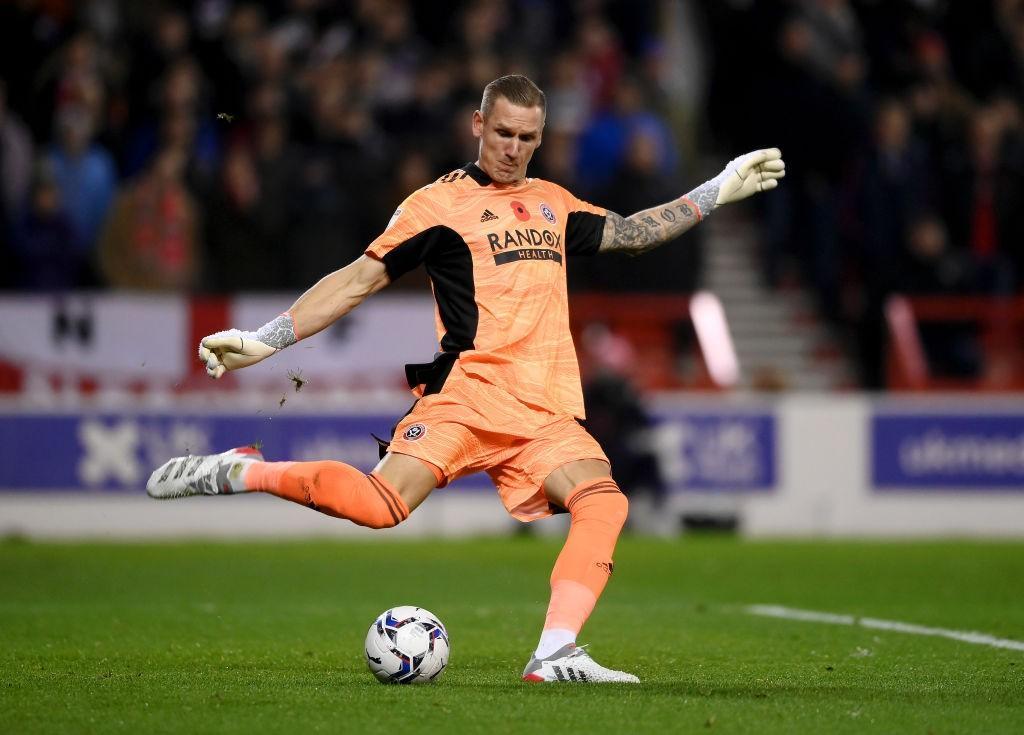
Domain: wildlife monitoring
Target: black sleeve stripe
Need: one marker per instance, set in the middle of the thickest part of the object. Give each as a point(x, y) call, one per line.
point(414, 251)
point(449, 265)
point(583, 233)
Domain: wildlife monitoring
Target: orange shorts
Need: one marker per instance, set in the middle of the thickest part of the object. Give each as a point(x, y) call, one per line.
point(473, 426)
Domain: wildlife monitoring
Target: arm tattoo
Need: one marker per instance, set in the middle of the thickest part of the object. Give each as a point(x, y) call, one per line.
point(648, 229)
point(278, 332)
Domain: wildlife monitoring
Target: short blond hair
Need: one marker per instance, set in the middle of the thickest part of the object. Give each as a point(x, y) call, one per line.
point(517, 89)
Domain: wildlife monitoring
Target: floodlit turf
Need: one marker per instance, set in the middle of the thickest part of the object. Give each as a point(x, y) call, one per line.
point(267, 638)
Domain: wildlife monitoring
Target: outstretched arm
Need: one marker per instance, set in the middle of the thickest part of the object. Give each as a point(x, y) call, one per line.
point(337, 294)
point(646, 230)
point(331, 298)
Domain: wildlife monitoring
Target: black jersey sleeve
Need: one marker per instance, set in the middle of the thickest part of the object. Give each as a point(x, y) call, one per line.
point(584, 226)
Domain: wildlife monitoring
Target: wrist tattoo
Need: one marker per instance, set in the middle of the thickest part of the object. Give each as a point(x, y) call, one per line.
point(279, 332)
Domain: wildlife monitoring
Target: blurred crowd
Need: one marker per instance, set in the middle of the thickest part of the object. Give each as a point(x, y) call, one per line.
point(230, 145)
point(902, 128)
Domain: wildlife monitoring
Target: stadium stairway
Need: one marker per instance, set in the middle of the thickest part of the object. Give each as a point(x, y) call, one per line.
point(780, 341)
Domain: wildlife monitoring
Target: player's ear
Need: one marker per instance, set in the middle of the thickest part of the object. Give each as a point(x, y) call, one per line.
point(478, 123)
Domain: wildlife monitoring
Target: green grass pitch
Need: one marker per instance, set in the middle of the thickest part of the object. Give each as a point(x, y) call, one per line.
point(267, 638)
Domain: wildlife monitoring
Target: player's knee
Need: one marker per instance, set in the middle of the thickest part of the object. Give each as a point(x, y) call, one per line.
point(379, 504)
point(380, 521)
point(385, 515)
point(617, 507)
point(608, 507)
point(613, 507)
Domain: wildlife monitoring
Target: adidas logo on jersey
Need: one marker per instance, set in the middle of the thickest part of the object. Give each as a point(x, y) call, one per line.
point(488, 215)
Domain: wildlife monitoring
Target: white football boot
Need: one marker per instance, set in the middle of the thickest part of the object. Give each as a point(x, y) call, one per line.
point(573, 663)
point(202, 474)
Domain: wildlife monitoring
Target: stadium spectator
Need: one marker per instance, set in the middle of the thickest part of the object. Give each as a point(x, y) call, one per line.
point(151, 240)
point(823, 83)
point(16, 151)
point(80, 73)
point(164, 42)
point(987, 191)
point(45, 258)
point(84, 173)
point(933, 267)
point(640, 183)
point(15, 180)
point(617, 418)
point(244, 228)
point(604, 143)
point(179, 120)
point(889, 190)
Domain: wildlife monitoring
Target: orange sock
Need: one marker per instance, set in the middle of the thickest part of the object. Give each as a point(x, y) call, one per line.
point(598, 509)
point(334, 488)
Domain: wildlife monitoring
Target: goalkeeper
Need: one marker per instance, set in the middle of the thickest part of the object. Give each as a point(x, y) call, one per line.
point(502, 394)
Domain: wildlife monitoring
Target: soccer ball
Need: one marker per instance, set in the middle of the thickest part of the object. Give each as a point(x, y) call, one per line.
point(407, 645)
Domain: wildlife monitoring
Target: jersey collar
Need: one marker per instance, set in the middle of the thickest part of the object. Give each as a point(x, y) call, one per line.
point(480, 176)
point(477, 174)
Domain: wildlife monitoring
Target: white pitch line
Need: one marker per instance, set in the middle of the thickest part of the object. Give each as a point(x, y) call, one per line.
point(811, 616)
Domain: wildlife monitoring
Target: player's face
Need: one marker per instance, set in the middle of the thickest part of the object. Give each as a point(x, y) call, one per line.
point(508, 137)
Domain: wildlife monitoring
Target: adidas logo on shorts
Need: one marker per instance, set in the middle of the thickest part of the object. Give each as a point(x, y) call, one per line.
point(488, 215)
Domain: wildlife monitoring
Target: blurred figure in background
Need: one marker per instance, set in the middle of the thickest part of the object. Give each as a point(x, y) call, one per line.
point(889, 189)
point(151, 241)
point(604, 143)
point(933, 267)
point(640, 182)
point(339, 179)
point(244, 250)
point(16, 152)
point(253, 203)
point(45, 256)
point(818, 74)
point(617, 418)
point(180, 119)
point(80, 73)
point(15, 181)
point(981, 197)
point(85, 176)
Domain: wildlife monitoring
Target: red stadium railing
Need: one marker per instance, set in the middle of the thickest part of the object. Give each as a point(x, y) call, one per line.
point(997, 330)
point(652, 339)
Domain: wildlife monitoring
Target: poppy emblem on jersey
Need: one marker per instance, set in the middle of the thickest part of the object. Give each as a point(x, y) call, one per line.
point(520, 211)
point(548, 213)
point(414, 432)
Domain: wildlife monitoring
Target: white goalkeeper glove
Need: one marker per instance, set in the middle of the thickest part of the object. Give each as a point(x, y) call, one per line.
point(749, 174)
point(742, 176)
point(234, 349)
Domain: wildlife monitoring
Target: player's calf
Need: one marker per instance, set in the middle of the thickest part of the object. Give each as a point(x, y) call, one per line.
point(333, 488)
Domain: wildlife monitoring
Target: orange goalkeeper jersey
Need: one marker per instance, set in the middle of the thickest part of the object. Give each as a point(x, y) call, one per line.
point(496, 256)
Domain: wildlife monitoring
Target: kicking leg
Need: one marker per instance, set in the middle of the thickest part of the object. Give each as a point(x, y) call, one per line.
point(381, 499)
point(598, 510)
